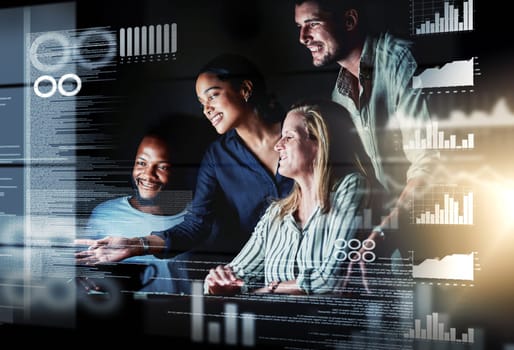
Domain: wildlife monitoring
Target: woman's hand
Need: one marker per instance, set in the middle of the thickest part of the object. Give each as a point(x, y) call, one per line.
point(108, 249)
point(222, 281)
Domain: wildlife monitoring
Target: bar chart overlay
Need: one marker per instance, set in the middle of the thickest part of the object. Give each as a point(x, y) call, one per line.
point(435, 330)
point(443, 205)
point(434, 138)
point(151, 42)
point(211, 331)
point(437, 16)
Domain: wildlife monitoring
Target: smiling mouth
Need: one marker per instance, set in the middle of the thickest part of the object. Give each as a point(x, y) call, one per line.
point(149, 185)
point(216, 119)
point(315, 48)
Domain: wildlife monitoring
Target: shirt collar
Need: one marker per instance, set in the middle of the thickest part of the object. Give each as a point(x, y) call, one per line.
point(367, 56)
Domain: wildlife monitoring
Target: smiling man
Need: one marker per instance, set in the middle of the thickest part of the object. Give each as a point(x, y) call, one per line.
point(151, 208)
point(375, 85)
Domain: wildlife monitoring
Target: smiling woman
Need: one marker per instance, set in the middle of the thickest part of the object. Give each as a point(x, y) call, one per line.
point(238, 176)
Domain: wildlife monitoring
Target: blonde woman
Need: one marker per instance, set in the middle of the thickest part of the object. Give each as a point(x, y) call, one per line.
point(296, 246)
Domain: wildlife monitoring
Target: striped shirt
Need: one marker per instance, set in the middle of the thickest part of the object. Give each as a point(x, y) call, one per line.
point(390, 113)
point(279, 250)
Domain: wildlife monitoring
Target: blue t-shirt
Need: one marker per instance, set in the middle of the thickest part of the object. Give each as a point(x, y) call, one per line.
point(116, 217)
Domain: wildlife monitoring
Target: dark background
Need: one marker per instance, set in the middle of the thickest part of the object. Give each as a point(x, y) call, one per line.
point(265, 32)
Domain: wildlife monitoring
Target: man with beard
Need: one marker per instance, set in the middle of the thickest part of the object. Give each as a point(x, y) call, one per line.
point(375, 85)
point(150, 208)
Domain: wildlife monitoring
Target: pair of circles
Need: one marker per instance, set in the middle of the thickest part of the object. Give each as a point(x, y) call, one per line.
point(54, 85)
point(52, 51)
point(355, 245)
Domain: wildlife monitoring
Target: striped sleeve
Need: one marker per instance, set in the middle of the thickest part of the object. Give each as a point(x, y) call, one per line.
point(328, 268)
point(249, 263)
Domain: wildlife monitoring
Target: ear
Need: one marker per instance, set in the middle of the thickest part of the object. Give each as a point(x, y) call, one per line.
point(351, 19)
point(246, 89)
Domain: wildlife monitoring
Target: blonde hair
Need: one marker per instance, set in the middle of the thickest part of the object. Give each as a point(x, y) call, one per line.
point(323, 119)
point(317, 130)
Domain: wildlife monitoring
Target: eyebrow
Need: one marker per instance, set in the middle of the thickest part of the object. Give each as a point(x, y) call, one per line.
point(288, 131)
point(211, 88)
point(160, 161)
point(315, 17)
point(215, 87)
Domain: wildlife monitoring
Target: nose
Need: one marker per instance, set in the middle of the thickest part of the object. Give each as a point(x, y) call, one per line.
point(207, 110)
point(279, 145)
point(149, 172)
point(305, 36)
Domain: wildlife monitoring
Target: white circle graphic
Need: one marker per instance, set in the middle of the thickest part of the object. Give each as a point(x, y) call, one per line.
point(47, 78)
point(368, 244)
point(72, 92)
point(340, 243)
point(368, 256)
point(341, 255)
point(354, 243)
point(108, 54)
point(61, 56)
point(354, 256)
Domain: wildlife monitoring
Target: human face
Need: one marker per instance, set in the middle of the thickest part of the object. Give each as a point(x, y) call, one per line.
point(223, 105)
point(318, 33)
point(297, 150)
point(152, 168)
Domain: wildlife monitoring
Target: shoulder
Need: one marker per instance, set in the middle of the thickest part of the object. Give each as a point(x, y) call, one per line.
point(354, 178)
point(269, 218)
point(354, 183)
point(223, 145)
point(389, 40)
point(111, 204)
point(392, 47)
point(223, 140)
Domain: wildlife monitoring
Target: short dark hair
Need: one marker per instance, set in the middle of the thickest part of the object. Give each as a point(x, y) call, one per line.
point(334, 6)
point(336, 9)
point(175, 130)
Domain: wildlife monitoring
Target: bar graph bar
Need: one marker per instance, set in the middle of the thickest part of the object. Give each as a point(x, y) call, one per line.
point(436, 139)
point(365, 221)
point(215, 329)
point(231, 324)
point(248, 338)
point(197, 312)
point(430, 17)
point(435, 330)
point(440, 207)
point(159, 40)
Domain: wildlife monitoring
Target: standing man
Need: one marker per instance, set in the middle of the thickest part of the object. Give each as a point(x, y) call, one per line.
point(374, 85)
